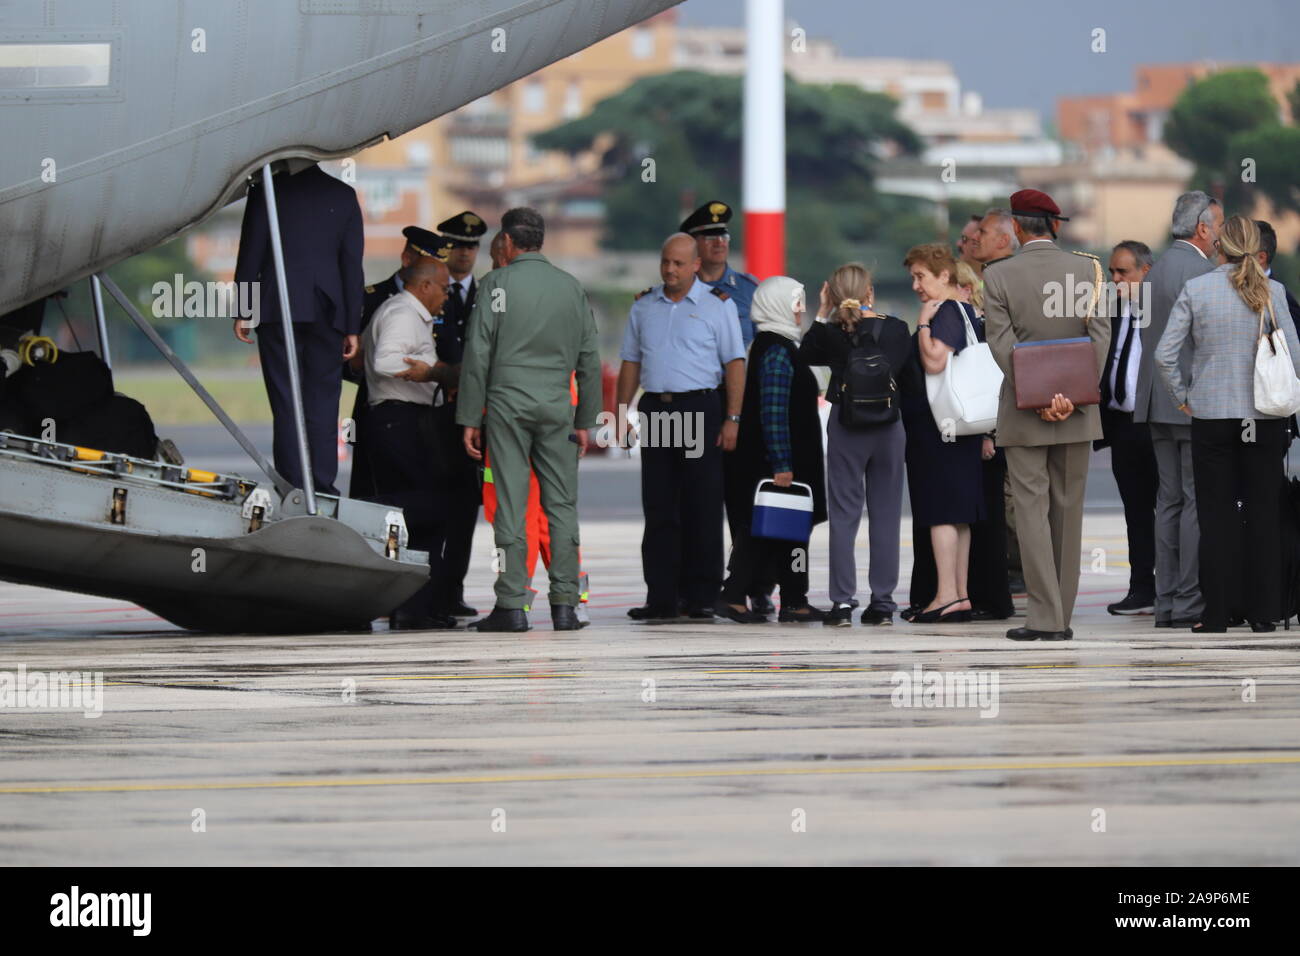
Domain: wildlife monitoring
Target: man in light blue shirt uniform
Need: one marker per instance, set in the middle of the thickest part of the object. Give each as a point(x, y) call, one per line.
point(682, 340)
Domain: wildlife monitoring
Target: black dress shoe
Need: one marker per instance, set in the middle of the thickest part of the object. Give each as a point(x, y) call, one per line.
point(761, 604)
point(422, 622)
point(804, 614)
point(1029, 634)
point(503, 619)
point(1178, 622)
point(723, 609)
point(565, 618)
point(648, 614)
point(700, 613)
point(1262, 627)
point(461, 609)
point(984, 614)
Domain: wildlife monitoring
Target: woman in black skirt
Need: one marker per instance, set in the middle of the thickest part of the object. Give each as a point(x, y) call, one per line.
point(944, 478)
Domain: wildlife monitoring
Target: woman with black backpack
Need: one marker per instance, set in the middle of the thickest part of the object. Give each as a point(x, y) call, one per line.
point(865, 438)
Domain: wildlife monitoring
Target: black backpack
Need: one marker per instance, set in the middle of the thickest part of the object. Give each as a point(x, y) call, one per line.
point(868, 392)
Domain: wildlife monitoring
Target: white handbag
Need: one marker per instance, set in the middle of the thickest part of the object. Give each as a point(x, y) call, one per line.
point(964, 396)
point(1277, 390)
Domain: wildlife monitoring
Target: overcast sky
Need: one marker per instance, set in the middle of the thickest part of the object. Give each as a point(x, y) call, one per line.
point(1028, 52)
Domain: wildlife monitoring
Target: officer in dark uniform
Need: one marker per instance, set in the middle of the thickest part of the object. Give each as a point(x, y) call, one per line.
point(709, 226)
point(419, 242)
point(462, 233)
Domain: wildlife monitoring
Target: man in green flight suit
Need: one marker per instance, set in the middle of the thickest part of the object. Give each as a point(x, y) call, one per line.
point(531, 333)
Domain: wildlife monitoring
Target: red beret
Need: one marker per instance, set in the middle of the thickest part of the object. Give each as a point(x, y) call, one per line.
point(1033, 202)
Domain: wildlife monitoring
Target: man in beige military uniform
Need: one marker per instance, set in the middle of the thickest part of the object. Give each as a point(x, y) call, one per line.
point(1047, 450)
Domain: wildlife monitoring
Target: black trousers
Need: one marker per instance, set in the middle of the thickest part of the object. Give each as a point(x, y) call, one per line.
point(1240, 551)
point(681, 496)
point(986, 574)
point(1133, 463)
point(766, 559)
point(463, 493)
point(405, 475)
point(320, 369)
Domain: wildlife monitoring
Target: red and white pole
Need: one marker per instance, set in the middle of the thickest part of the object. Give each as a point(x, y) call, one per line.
point(764, 138)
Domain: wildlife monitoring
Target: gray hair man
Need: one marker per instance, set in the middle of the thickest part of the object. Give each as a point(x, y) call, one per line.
point(1196, 223)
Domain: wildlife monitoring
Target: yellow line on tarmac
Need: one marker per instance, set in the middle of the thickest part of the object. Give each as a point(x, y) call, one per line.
point(651, 775)
point(473, 677)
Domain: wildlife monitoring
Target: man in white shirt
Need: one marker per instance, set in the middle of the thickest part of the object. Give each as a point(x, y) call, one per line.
point(1132, 460)
point(401, 428)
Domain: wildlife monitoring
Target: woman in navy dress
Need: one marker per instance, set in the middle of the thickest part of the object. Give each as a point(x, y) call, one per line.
point(944, 477)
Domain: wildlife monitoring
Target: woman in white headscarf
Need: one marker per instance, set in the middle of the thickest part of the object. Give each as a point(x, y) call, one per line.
point(780, 440)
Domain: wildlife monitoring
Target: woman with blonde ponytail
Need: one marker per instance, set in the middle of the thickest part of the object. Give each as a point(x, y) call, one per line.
point(1236, 450)
point(865, 438)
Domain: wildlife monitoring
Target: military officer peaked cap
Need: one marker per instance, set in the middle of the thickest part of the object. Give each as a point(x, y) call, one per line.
point(709, 220)
point(464, 228)
point(426, 243)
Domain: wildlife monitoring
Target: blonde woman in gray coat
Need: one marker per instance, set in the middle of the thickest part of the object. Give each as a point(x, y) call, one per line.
point(1236, 451)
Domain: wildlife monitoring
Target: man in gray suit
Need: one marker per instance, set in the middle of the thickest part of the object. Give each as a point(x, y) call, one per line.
point(1196, 224)
point(1031, 297)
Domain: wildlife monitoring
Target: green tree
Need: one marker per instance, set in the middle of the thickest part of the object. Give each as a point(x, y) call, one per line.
point(1209, 113)
point(1273, 154)
point(671, 142)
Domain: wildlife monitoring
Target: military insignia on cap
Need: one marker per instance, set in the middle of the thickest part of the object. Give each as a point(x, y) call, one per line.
point(464, 228)
point(711, 218)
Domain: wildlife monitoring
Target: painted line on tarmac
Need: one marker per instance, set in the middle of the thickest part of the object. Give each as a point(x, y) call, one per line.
point(653, 775)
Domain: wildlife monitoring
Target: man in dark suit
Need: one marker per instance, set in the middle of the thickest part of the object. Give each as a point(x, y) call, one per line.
point(462, 232)
point(1197, 220)
point(321, 235)
point(419, 243)
point(1132, 460)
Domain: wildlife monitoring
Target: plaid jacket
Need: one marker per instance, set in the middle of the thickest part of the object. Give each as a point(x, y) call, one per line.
point(1223, 333)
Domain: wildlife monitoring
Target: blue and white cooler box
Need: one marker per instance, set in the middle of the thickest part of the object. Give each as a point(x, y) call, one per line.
point(782, 513)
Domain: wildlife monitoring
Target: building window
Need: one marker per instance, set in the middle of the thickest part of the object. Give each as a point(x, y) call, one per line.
point(50, 66)
point(643, 43)
point(480, 150)
point(573, 100)
point(534, 96)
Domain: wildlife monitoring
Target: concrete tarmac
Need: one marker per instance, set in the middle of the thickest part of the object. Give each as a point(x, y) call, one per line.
point(642, 744)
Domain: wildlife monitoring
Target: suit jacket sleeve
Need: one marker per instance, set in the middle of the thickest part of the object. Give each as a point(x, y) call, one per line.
point(253, 239)
point(590, 388)
point(997, 325)
point(477, 357)
point(1100, 331)
point(1170, 347)
point(350, 271)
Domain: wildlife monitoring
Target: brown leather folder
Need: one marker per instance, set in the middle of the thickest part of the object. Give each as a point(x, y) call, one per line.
point(1064, 366)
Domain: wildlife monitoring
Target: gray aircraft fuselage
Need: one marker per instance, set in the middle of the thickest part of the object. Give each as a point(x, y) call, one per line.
point(123, 123)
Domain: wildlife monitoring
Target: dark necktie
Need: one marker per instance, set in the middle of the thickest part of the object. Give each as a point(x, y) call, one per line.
point(1121, 374)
